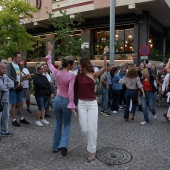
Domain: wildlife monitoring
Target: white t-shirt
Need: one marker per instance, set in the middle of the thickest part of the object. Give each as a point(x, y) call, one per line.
point(48, 76)
point(17, 70)
point(25, 82)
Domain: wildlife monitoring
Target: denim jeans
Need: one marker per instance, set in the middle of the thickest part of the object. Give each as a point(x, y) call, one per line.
point(148, 101)
point(115, 101)
point(4, 118)
point(104, 100)
point(130, 94)
point(88, 119)
point(63, 118)
point(41, 102)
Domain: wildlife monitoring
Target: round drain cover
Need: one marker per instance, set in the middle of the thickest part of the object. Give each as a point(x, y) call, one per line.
point(113, 156)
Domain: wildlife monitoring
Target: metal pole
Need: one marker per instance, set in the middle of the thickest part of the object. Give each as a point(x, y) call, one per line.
point(112, 30)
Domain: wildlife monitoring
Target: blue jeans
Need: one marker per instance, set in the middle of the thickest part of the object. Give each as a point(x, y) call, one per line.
point(4, 118)
point(41, 102)
point(104, 100)
point(148, 101)
point(63, 118)
point(115, 101)
point(130, 94)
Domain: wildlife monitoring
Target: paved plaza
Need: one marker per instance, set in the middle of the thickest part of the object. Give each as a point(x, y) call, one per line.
point(30, 147)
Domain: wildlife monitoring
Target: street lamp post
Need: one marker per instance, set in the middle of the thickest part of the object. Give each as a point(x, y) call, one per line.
point(112, 30)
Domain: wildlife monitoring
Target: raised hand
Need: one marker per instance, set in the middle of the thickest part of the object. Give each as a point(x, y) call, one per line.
point(106, 49)
point(49, 48)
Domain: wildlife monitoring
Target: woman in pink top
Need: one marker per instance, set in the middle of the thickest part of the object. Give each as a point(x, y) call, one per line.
point(87, 104)
point(63, 105)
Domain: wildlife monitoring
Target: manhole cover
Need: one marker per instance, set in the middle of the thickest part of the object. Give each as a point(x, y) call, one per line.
point(113, 156)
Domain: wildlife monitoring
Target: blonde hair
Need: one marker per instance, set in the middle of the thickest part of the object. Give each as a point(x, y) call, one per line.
point(38, 66)
point(145, 71)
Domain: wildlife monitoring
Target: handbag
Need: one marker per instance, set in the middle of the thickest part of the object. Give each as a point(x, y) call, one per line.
point(1, 106)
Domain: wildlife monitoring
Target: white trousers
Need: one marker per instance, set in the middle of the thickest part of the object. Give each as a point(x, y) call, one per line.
point(88, 119)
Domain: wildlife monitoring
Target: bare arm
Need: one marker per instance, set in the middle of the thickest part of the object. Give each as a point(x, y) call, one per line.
point(104, 68)
point(167, 66)
point(143, 92)
point(49, 57)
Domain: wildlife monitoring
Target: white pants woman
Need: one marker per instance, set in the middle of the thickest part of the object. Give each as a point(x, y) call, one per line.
point(88, 119)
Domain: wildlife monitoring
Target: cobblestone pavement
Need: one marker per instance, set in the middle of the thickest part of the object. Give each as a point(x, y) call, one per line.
point(30, 147)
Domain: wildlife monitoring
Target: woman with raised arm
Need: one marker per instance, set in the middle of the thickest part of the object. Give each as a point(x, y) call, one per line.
point(87, 103)
point(63, 105)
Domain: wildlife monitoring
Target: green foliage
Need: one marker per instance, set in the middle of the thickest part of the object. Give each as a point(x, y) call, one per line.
point(36, 53)
point(155, 55)
point(13, 35)
point(67, 42)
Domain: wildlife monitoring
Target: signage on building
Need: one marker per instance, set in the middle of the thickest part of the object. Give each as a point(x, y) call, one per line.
point(38, 4)
point(144, 50)
point(85, 45)
point(144, 57)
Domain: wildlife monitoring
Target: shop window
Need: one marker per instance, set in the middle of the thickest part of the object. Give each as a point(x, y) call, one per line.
point(101, 40)
point(119, 41)
point(124, 40)
point(129, 40)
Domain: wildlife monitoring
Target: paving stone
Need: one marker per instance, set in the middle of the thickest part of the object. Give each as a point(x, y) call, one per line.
point(30, 147)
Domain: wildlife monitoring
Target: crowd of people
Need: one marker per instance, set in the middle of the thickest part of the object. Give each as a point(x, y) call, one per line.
point(74, 91)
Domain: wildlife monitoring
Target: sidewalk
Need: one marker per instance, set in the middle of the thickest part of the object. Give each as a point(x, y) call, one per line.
point(30, 147)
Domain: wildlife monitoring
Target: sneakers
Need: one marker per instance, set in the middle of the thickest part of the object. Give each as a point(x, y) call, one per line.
point(45, 122)
point(155, 116)
point(114, 111)
point(102, 111)
point(91, 157)
point(120, 107)
point(106, 114)
point(38, 123)
point(6, 134)
point(29, 111)
point(25, 122)
point(143, 123)
point(16, 124)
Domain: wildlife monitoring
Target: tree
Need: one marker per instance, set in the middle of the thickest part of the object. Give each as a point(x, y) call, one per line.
point(156, 55)
point(13, 35)
point(67, 42)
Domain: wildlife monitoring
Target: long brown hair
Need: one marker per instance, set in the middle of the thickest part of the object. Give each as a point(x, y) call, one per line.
point(113, 71)
point(132, 73)
point(86, 66)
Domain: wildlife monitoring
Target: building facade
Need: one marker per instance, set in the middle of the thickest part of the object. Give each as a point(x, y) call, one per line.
point(137, 22)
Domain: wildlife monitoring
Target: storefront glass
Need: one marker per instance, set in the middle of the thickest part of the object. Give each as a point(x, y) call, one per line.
point(124, 42)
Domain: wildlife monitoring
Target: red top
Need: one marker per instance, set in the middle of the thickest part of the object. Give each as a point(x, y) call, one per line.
point(84, 87)
point(147, 86)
